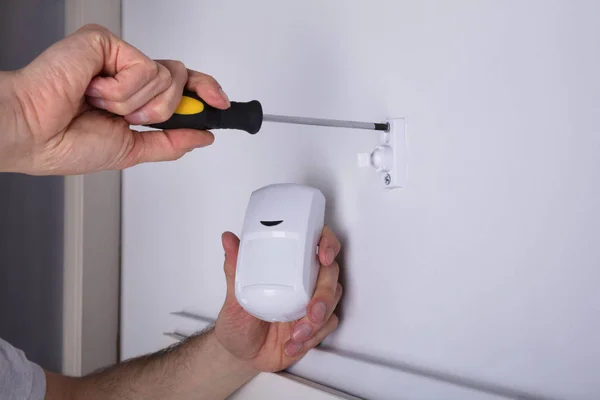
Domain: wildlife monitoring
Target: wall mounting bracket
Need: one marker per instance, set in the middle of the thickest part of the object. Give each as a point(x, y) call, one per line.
point(389, 158)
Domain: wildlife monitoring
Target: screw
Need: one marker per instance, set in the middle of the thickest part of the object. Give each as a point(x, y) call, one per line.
point(387, 179)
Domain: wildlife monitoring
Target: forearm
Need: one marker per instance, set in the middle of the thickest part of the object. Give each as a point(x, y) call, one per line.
point(199, 368)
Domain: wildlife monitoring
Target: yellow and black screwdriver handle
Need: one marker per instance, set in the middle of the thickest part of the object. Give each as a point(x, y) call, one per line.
point(194, 113)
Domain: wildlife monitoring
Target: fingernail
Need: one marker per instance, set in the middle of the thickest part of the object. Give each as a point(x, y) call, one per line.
point(330, 256)
point(200, 145)
point(302, 332)
point(318, 312)
point(137, 118)
point(292, 348)
point(225, 97)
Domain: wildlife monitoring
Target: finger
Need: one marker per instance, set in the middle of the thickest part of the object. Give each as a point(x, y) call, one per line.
point(324, 295)
point(321, 305)
point(165, 145)
point(162, 107)
point(336, 300)
point(329, 246)
point(297, 350)
point(231, 245)
point(330, 326)
point(304, 331)
point(128, 70)
point(208, 89)
point(161, 82)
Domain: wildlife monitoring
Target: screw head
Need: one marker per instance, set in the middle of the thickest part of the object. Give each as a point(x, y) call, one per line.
point(387, 179)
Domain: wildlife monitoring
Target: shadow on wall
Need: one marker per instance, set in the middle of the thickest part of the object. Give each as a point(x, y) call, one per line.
point(319, 65)
point(326, 184)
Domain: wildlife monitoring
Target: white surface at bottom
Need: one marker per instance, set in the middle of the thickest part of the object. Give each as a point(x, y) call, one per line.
point(285, 386)
point(349, 373)
point(394, 381)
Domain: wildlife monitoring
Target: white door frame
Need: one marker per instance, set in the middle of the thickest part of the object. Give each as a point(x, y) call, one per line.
point(92, 239)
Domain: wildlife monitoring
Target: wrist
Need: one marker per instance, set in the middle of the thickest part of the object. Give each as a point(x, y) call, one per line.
point(237, 364)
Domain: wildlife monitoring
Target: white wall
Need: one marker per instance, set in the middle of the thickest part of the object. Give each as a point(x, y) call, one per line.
point(483, 271)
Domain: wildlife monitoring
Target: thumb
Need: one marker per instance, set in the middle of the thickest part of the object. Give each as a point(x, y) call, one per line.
point(231, 245)
point(168, 145)
point(242, 334)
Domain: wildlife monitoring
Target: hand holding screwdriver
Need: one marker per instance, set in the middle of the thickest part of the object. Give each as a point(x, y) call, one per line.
point(74, 108)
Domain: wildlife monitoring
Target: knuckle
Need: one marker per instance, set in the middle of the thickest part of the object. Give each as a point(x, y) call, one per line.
point(95, 33)
point(180, 154)
point(173, 154)
point(151, 69)
point(181, 72)
point(330, 234)
point(179, 66)
point(164, 76)
point(119, 93)
point(335, 321)
point(161, 112)
point(130, 152)
point(121, 108)
point(176, 155)
point(207, 77)
point(94, 28)
point(212, 81)
point(334, 269)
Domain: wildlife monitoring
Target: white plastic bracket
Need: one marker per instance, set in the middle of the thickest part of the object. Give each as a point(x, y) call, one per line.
point(388, 158)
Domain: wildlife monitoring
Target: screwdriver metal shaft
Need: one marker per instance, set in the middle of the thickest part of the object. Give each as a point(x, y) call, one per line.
point(284, 119)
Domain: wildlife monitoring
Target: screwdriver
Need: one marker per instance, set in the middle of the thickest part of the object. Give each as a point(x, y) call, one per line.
point(194, 113)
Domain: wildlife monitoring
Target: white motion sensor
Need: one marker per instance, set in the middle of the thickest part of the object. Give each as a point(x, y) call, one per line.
point(278, 265)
